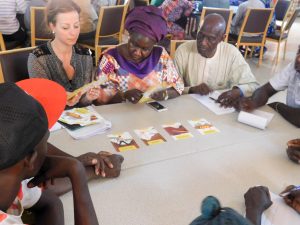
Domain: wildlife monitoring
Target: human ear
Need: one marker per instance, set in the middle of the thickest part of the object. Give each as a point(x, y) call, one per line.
point(30, 160)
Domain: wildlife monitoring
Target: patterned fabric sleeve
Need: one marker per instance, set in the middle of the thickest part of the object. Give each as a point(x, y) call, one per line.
point(35, 68)
point(169, 72)
point(107, 67)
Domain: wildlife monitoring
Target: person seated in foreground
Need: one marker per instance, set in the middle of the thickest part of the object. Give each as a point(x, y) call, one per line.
point(139, 65)
point(61, 59)
point(213, 214)
point(208, 64)
point(24, 155)
point(287, 79)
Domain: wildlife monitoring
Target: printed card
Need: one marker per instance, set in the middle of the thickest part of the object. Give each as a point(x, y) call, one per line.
point(177, 131)
point(203, 126)
point(150, 136)
point(123, 142)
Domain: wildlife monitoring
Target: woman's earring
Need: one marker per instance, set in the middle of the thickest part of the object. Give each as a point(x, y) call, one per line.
point(53, 32)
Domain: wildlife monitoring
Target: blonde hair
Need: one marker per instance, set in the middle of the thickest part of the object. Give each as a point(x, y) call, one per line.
point(55, 7)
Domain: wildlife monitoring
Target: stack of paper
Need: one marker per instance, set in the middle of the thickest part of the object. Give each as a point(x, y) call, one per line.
point(209, 102)
point(256, 118)
point(84, 122)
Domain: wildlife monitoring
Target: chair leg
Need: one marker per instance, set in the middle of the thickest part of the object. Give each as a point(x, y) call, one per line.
point(284, 49)
point(246, 52)
point(252, 50)
point(277, 53)
point(261, 52)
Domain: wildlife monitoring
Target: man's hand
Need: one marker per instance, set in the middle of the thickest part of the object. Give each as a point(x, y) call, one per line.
point(258, 199)
point(201, 89)
point(292, 199)
point(229, 98)
point(106, 164)
point(133, 95)
point(293, 150)
point(246, 104)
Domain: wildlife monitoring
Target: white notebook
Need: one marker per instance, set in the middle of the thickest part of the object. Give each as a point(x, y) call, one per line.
point(256, 118)
point(211, 104)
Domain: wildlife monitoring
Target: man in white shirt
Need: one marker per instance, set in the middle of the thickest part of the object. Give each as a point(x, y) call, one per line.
point(9, 24)
point(240, 14)
point(208, 64)
point(288, 78)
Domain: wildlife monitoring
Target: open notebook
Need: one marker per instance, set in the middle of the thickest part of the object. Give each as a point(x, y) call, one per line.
point(208, 102)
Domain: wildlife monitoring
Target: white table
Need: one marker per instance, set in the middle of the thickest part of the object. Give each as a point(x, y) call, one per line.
point(165, 184)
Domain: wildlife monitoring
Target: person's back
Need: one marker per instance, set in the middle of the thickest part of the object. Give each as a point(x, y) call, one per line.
point(32, 3)
point(238, 19)
point(216, 3)
point(9, 24)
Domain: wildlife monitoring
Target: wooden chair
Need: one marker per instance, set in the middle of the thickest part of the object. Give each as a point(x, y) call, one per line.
point(40, 32)
point(282, 34)
point(2, 43)
point(226, 13)
point(256, 23)
point(141, 3)
point(13, 64)
point(109, 27)
point(174, 45)
point(100, 49)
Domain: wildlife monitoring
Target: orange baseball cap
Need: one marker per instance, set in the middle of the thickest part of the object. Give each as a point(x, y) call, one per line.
point(49, 94)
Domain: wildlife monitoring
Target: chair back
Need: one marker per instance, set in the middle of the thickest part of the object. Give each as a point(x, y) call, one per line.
point(174, 45)
point(216, 3)
point(100, 49)
point(110, 22)
point(2, 43)
point(40, 31)
point(281, 9)
point(141, 3)
point(256, 21)
point(13, 64)
point(225, 13)
point(291, 20)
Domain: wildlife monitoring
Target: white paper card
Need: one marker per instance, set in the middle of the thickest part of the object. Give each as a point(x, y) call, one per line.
point(211, 104)
point(256, 118)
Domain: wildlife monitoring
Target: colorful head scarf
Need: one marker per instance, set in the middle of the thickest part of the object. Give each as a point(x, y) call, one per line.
point(148, 21)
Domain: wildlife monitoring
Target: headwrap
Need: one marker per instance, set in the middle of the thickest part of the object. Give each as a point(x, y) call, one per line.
point(148, 21)
point(214, 214)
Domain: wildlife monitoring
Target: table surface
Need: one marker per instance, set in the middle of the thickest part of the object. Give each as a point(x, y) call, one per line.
point(164, 184)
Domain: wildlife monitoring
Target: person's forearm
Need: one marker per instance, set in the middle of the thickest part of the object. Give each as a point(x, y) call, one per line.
point(290, 114)
point(253, 216)
point(259, 98)
point(84, 211)
point(52, 150)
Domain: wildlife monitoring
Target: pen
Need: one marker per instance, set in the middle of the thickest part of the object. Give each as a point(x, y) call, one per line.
point(289, 192)
point(216, 100)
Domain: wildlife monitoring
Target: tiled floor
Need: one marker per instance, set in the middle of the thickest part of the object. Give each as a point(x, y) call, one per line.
point(268, 68)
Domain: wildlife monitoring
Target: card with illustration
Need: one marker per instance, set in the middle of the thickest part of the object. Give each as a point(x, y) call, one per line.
point(177, 131)
point(150, 136)
point(203, 126)
point(81, 116)
point(123, 142)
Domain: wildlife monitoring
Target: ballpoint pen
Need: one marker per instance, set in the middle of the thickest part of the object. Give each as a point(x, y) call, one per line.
point(296, 188)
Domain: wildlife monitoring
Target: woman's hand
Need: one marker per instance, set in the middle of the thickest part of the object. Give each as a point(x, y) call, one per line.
point(160, 95)
point(133, 95)
point(73, 101)
point(92, 94)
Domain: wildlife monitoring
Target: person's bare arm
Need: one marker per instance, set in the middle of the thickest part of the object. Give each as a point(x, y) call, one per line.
point(292, 115)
